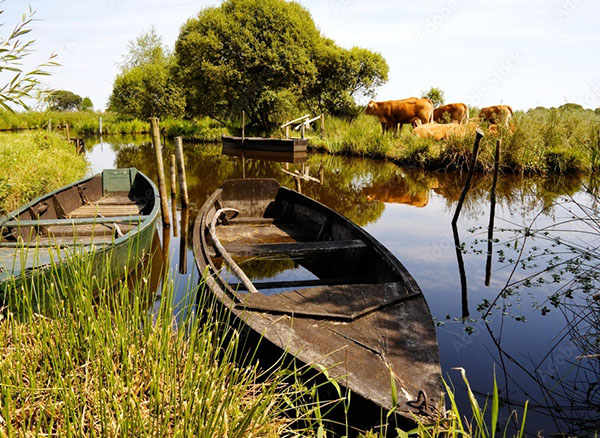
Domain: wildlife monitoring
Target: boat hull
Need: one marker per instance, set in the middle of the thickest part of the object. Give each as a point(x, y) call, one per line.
point(266, 144)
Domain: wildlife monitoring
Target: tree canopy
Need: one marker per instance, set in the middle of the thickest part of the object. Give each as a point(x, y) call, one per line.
point(145, 87)
point(64, 100)
point(435, 94)
point(267, 57)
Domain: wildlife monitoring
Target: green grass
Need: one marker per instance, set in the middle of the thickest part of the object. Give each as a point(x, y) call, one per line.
point(34, 163)
point(84, 123)
point(80, 356)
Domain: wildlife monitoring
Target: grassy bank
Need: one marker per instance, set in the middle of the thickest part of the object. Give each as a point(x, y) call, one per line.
point(539, 141)
point(34, 163)
point(85, 123)
point(90, 359)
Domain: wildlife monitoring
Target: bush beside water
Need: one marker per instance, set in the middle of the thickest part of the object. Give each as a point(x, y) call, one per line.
point(35, 163)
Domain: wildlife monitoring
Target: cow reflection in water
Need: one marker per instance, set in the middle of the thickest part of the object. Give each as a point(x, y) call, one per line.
point(399, 191)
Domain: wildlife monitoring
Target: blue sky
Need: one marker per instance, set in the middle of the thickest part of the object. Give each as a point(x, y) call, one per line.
point(523, 53)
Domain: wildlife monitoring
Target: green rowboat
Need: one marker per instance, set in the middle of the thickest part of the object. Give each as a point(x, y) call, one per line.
point(114, 212)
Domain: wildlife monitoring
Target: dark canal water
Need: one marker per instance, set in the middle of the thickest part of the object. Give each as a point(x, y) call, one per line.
point(540, 337)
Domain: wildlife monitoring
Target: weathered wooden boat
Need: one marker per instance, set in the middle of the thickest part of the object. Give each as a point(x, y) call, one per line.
point(265, 144)
point(114, 211)
point(276, 156)
point(356, 310)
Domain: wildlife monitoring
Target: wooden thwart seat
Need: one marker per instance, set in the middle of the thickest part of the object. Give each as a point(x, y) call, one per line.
point(294, 249)
point(106, 210)
point(343, 302)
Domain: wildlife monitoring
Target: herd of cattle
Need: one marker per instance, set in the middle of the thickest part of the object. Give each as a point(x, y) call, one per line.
point(436, 123)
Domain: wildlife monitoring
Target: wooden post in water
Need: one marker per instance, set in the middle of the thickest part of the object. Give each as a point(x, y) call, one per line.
point(488, 263)
point(68, 133)
point(183, 191)
point(100, 126)
point(478, 137)
point(49, 125)
point(174, 194)
point(173, 177)
point(322, 125)
point(162, 187)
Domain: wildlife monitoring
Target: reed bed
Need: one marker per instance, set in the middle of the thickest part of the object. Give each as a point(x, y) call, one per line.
point(85, 356)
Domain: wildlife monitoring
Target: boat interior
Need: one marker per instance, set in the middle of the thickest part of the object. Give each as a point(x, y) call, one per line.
point(300, 251)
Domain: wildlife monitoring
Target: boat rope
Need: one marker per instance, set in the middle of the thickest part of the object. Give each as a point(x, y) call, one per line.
point(221, 249)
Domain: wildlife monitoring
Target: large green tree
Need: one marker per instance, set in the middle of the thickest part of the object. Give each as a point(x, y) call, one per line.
point(145, 87)
point(64, 100)
point(267, 57)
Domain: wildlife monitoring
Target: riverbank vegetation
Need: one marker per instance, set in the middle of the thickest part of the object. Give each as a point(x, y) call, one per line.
point(541, 140)
point(87, 123)
point(34, 163)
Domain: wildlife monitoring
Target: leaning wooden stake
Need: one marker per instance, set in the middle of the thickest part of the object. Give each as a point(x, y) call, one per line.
point(174, 194)
point(488, 264)
point(183, 191)
point(68, 133)
point(160, 171)
point(467, 185)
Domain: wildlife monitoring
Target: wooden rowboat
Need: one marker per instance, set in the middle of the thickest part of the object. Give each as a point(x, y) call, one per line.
point(265, 144)
point(351, 307)
point(113, 211)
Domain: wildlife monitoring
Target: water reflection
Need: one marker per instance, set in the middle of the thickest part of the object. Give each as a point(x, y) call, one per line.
point(533, 343)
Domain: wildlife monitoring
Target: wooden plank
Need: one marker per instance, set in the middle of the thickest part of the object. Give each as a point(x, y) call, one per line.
point(298, 283)
point(106, 210)
point(87, 230)
point(79, 221)
point(295, 249)
point(344, 302)
point(114, 199)
point(251, 221)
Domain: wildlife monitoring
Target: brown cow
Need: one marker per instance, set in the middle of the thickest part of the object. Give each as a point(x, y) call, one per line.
point(438, 131)
point(392, 113)
point(457, 112)
point(499, 114)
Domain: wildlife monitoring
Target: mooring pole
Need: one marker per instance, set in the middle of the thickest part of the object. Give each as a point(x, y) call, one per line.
point(161, 172)
point(183, 191)
point(478, 137)
point(49, 125)
point(173, 177)
point(100, 126)
point(488, 264)
point(322, 125)
point(68, 133)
